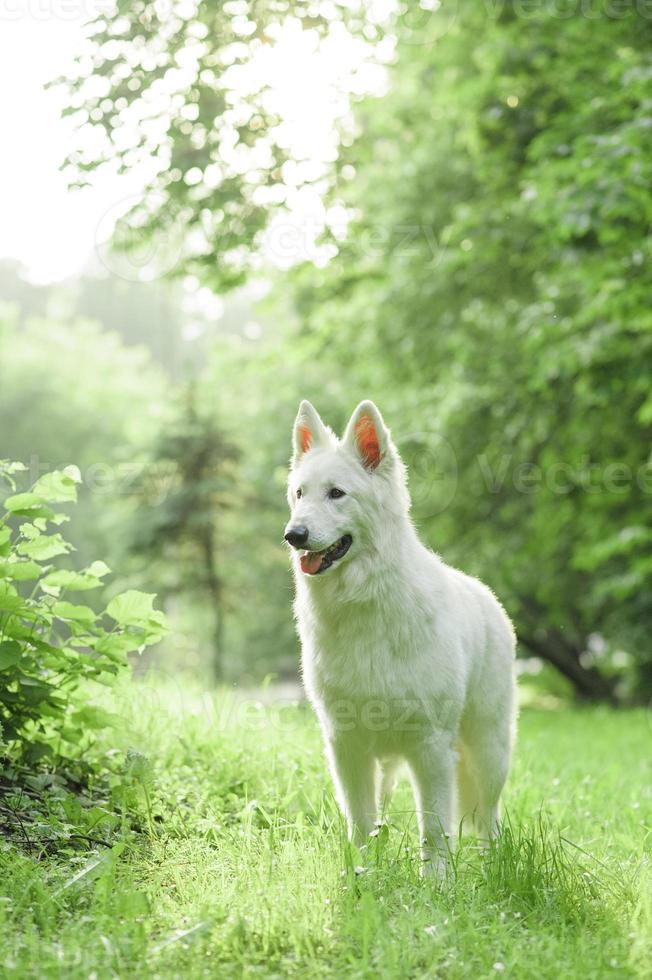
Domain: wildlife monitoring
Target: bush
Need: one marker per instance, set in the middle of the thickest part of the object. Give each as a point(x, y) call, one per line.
point(50, 646)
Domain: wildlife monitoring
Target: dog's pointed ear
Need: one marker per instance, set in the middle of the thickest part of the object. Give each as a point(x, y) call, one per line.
point(368, 436)
point(309, 431)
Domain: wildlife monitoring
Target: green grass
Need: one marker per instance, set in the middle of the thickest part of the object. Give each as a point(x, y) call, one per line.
point(240, 867)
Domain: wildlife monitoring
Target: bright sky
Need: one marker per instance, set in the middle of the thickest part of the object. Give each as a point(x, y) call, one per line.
point(51, 231)
point(54, 232)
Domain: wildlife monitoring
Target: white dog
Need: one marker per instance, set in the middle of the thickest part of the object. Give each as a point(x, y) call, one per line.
point(405, 659)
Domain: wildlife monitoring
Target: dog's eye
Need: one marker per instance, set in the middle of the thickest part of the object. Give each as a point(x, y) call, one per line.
point(299, 493)
point(335, 493)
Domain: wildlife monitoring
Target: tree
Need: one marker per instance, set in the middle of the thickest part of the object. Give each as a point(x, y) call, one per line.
point(72, 392)
point(170, 88)
point(491, 289)
point(499, 252)
point(180, 529)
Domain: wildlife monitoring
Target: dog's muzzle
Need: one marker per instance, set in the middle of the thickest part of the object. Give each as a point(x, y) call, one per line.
point(297, 536)
point(316, 562)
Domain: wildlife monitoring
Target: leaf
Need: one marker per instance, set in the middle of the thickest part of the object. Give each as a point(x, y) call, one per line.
point(20, 571)
point(17, 630)
point(69, 611)
point(33, 530)
point(59, 519)
point(8, 466)
point(132, 608)
point(5, 539)
point(34, 690)
point(156, 628)
point(5, 473)
point(45, 546)
point(50, 590)
point(98, 568)
point(73, 581)
point(92, 716)
point(10, 601)
point(59, 485)
point(28, 505)
point(73, 473)
point(116, 646)
point(10, 654)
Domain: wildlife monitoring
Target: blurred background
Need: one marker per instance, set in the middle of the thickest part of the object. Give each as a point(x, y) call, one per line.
point(213, 210)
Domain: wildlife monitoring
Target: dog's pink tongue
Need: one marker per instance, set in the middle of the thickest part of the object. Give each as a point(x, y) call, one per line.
point(311, 562)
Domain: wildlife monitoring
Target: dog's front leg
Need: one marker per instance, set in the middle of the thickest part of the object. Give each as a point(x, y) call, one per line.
point(432, 766)
point(354, 769)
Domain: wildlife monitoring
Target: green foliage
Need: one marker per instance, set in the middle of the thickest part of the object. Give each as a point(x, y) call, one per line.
point(217, 153)
point(102, 418)
point(182, 529)
point(121, 305)
point(52, 646)
point(491, 292)
point(499, 253)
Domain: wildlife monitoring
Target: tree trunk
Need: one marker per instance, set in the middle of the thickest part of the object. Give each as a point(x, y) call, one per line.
point(588, 683)
point(214, 589)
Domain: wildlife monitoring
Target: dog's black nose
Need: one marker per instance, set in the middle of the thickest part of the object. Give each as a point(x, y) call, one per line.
point(297, 536)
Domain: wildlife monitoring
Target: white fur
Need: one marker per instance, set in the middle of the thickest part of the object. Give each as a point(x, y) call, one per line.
point(405, 659)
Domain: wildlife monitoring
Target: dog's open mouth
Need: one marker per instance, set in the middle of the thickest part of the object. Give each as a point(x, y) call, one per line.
point(315, 562)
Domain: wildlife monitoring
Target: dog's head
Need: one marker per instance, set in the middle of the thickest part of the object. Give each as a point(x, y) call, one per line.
point(344, 495)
